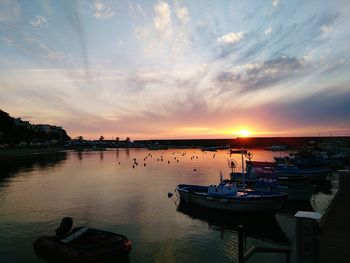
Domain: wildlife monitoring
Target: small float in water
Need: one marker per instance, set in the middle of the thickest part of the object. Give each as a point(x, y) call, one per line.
point(82, 244)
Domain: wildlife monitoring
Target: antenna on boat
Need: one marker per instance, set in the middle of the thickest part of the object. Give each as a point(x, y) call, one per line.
point(232, 164)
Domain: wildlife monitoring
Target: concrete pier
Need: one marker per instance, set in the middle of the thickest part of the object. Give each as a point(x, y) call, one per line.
point(335, 228)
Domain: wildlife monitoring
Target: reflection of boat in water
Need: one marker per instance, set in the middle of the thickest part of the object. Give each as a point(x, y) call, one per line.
point(82, 244)
point(264, 227)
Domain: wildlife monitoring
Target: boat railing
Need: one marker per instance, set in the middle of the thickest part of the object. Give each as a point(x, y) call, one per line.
point(243, 255)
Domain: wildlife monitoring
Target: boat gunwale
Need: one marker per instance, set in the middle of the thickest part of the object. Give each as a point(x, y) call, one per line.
point(270, 196)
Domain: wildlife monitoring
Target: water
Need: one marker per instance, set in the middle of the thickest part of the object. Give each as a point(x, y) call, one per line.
point(101, 189)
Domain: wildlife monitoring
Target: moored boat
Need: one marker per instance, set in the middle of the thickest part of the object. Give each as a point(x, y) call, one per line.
point(82, 244)
point(227, 197)
point(312, 173)
point(282, 172)
point(295, 192)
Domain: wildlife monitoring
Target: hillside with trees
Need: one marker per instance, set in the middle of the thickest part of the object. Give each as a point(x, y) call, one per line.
point(14, 131)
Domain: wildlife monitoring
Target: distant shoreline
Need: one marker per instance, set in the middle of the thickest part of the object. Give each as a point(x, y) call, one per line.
point(248, 142)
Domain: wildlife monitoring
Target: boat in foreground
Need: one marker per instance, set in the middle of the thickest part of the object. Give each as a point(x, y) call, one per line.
point(227, 197)
point(82, 244)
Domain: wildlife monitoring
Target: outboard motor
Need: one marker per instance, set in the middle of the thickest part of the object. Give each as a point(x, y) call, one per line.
point(65, 227)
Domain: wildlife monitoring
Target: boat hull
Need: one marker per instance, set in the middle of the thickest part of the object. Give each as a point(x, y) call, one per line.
point(93, 246)
point(254, 203)
point(303, 193)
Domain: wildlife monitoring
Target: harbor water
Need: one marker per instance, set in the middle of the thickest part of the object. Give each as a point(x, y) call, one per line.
point(125, 191)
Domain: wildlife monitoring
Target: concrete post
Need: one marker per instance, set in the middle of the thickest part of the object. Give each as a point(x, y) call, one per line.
point(307, 237)
point(344, 181)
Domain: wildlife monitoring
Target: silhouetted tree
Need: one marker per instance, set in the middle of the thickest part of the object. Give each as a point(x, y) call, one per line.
point(102, 138)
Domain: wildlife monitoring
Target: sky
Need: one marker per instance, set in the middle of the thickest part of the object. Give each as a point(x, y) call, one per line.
point(177, 69)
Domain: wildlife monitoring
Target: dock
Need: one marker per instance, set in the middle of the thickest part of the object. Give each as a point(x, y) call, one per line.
point(335, 230)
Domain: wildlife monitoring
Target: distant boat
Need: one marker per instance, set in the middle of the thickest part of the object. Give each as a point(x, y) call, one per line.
point(277, 148)
point(240, 151)
point(228, 198)
point(209, 149)
point(158, 147)
point(82, 244)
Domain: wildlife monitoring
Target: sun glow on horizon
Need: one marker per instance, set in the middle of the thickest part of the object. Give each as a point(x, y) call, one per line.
point(244, 133)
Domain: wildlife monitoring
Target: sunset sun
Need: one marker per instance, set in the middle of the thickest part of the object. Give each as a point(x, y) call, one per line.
point(244, 133)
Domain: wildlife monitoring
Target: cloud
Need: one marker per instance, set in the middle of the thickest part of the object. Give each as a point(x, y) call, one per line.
point(136, 11)
point(268, 31)
point(275, 3)
point(327, 108)
point(230, 38)
point(38, 47)
point(182, 14)
point(7, 41)
point(9, 10)
point(168, 40)
point(257, 76)
point(103, 10)
point(326, 30)
point(40, 21)
point(162, 20)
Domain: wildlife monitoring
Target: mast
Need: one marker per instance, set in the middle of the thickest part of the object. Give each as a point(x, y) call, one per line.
point(243, 169)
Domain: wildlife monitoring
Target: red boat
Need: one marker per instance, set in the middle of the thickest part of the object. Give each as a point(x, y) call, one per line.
point(82, 244)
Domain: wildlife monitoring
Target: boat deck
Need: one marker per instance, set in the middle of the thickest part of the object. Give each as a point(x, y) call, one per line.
point(335, 233)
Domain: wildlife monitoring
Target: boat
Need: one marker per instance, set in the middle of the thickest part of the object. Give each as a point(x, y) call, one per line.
point(282, 172)
point(228, 197)
point(82, 244)
point(276, 148)
point(312, 173)
point(295, 192)
point(209, 149)
point(240, 151)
